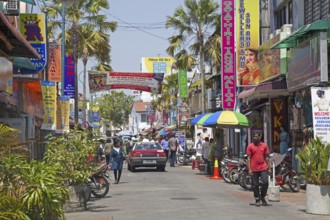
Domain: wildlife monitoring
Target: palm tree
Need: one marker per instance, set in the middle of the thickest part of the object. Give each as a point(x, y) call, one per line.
point(194, 26)
point(87, 34)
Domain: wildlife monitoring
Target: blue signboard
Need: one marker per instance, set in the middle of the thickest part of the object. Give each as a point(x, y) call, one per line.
point(69, 76)
point(181, 137)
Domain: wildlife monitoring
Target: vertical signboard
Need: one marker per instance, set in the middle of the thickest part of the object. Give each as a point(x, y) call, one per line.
point(96, 116)
point(6, 75)
point(279, 118)
point(247, 42)
point(183, 87)
point(49, 98)
point(63, 115)
point(69, 75)
point(321, 113)
point(228, 54)
point(33, 28)
point(54, 63)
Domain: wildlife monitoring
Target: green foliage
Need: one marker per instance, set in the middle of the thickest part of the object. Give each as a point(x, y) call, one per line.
point(71, 152)
point(112, 106)
point(314, 162)
point(11, 208)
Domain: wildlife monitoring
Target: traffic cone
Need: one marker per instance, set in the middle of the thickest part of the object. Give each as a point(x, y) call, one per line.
point(216, 171)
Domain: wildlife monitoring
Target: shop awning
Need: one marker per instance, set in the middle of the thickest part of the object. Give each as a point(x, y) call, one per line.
point(302, 33)
point(266, 90)
point(22, 63)
point(17, 45)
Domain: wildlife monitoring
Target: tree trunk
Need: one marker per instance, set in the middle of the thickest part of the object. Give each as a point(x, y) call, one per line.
point(84, 95)
point(201, 69)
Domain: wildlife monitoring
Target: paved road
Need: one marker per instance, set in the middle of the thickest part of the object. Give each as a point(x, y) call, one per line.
point(183, 193)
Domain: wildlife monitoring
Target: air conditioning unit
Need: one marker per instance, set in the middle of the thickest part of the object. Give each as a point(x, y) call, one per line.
point(12, 7)
point(286, 28)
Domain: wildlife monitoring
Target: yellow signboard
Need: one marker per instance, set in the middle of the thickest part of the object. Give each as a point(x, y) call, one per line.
point(157, 65)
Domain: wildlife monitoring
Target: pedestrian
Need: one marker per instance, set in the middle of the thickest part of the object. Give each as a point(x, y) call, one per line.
point(165, 146)
point(100, 151)
point(117, 157)
point(258, 163)
point(107, 150)
point(206, 148)
point(173, 144)
point(284, 141)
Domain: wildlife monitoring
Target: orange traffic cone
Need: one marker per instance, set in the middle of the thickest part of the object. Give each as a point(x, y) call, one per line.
point(216, 171)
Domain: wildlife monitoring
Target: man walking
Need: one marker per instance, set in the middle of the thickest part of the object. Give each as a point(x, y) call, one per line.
point(258, 162)
point(206, 148)
point(164, 144)
point(173, 143)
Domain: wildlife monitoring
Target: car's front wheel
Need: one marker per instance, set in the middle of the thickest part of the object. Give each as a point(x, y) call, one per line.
point(132, 169)
point(161, 168)
point(129, 167)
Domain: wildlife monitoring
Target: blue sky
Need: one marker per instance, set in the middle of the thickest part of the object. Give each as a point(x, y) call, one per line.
point(149, 38)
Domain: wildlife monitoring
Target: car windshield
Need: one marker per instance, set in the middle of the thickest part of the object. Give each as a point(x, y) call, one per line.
point(148, 146)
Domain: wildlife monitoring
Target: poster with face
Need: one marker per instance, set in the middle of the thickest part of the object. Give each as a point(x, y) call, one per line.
point(321, 113)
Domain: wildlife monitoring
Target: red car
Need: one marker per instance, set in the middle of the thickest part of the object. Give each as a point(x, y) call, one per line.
point(147, 154)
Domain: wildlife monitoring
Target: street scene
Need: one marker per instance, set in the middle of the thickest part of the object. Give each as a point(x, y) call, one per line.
point(182, 109)
point(183, 193)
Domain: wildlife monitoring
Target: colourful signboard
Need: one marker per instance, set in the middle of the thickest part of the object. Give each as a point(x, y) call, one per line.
point(157, 65)
point(6, 75)
point(247, 42)
point(49, 97)
point(54, 63)
point(148, 82)
point(96, 117)
point(279, 115)
point(183, 87)
point(69, 75)
point(228, 54)
point(321, 113)
point(33, 28)
point(63, 115)
point(97, 81)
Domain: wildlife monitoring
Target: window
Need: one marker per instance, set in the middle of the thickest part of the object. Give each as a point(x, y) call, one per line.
point(290, 14)
point(281, 17)
point(143, 118)
point(316, 10)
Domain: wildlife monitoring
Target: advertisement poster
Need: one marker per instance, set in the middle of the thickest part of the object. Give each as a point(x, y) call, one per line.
point(228, 55)
point(54, 63)
point(49, 97)
point(33, 28)
point(69, 75)
point(32, 97)
point(181, 137)
point(321, 113)
point(157, 65)
point(200, 133)
point(63, 115)
point(183, 86)
point(247, 42)
point(148, 82)
point(96, 117)
point(97, 81)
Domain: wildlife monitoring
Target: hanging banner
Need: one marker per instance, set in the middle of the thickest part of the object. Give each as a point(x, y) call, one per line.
point(148, 82)
point(33, 28)
point(279, 118)
point(49, 98)
point(69, 75)
point(96, 117)
point(321, 113)
point(157, 65)
point(228, 54)
point(97, 81)
point(63, 115)
point(54, 63)
point(247, 42)
point(183, 87)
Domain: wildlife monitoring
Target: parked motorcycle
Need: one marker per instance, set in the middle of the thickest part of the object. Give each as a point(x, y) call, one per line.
point(284, 174)
point(99, 183)
point(190, 154)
